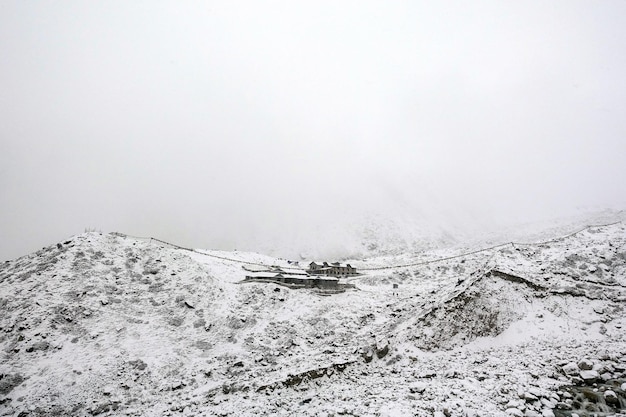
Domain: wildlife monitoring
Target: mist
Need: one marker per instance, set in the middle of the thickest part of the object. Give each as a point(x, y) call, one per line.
point(290, 128)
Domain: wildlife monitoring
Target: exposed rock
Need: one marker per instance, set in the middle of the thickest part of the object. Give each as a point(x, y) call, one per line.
point(138, 364)
point(100, 408)
point(513, 404)
point(268, 356)
point(517, 279)
point(9, 381)
point(175, 321)
point(611, 398)
point(548, 403)
point(203, 345)
point(151, 271)
point(417, 387)
point(530, 397)
point(563, 406)
point(570, 369)
point(585, 364)
point(576, 380)
point(43, 345)
point(368, 355)
point(565, 394)
point(514, 412)
point(451, 373)
point(382, 349)
point(589, 376)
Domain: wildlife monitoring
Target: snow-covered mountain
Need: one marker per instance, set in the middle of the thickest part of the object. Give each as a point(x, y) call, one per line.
point(400, 230)
point(106, 324)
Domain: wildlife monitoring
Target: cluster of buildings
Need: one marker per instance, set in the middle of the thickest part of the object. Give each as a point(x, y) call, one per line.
point(323, 276)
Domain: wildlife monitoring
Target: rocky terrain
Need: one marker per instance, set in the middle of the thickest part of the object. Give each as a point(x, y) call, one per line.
point(106, 324)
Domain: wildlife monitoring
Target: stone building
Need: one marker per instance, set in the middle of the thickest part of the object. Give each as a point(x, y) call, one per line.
point(334, 269)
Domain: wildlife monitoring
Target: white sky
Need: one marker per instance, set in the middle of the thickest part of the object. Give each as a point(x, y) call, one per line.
point(254, 125)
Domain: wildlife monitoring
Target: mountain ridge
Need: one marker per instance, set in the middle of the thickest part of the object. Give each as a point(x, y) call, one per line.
point(104, 324)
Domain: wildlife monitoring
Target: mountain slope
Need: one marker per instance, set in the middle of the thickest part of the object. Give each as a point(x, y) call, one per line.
point(108, 324)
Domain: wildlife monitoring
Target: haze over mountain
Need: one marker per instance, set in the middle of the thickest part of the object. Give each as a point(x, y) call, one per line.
point(292, 128)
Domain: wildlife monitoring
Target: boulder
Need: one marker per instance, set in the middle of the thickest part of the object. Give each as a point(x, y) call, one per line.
point(38, 346)
point(606, 376)
point(589, 376)
point(451, 373)
point(530, 397)
point(570, 369)
point(585, 365)
point(576, 380)
point(382, 348)
point(563, 406)
point(512, 404)
point(417, 387)
point(368, 355)
point(611, 398)
point(9, 381)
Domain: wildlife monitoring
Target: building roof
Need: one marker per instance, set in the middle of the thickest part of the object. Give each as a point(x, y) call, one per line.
point(326, 265)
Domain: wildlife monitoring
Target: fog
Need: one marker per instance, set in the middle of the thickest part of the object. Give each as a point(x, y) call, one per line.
point(289, 128)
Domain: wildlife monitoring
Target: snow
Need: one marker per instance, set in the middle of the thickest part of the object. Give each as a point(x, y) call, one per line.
point(105, 324)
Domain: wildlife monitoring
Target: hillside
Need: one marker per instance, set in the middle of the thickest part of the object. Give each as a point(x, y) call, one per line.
point(106, 324)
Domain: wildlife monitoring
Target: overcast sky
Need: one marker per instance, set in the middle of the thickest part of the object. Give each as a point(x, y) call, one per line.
point(247, 124)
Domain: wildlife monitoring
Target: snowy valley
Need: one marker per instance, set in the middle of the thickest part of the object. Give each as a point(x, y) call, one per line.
point(107, 324)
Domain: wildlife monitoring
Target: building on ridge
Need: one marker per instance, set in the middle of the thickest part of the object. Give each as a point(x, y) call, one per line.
point(335, 269)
